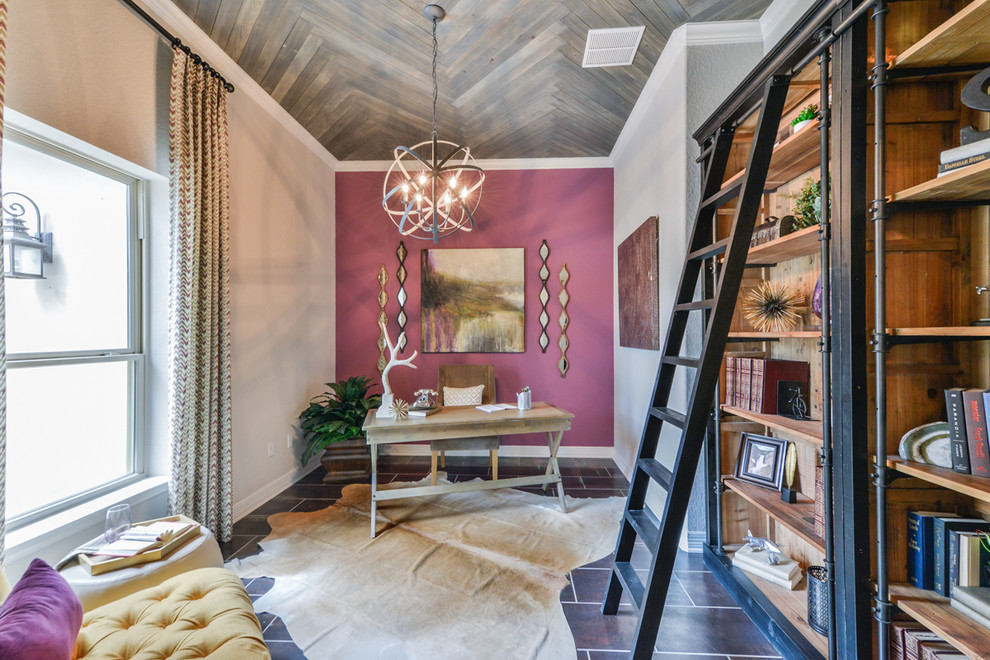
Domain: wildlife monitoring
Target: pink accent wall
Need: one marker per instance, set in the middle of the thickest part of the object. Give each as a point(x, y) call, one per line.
point(572, 210)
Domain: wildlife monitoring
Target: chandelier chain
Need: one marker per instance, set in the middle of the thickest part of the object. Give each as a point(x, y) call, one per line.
point(434, 78)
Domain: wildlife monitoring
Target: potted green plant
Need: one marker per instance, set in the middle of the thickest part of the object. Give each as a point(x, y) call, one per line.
point(332, 424)
point(807, 205)
point(804, 117)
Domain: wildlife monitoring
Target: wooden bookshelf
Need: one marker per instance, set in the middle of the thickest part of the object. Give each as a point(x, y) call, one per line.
point(946, 332)
point(967, 484)
point(792, 157)
point(935, 612)
point(960, 40)
point(965, 184)
point(792, 603)
point(804, 429)
point(798, 517)
point(798, 244)
point(755, 335)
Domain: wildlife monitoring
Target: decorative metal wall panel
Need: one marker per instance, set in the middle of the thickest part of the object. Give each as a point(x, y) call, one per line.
point(382, 317)
point(544, 297)
point(400, 275)
point(563, 363)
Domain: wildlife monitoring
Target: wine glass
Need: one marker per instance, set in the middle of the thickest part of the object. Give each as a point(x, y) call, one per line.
point(118, 522)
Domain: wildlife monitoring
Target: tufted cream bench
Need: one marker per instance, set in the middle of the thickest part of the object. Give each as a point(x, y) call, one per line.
point(204, 613)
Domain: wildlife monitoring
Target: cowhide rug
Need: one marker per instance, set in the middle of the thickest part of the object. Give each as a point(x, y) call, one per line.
point(464, 575)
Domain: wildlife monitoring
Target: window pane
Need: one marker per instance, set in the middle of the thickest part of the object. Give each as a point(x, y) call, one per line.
point(82, 302)
point(67, 431)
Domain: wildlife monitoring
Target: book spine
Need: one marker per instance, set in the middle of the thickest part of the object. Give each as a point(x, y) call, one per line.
point(953, 561)
point(957, 430)
point(745, 382)
point(964, 150)
point(819, 502)
point(986, 409)
point(939, 551)
point(730, 377)
point(915, 559)
point(962, 162)
point(756, 389)
point(976, 432)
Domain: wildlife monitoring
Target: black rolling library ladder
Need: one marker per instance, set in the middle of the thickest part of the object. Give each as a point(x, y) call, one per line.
point(834, 31)
point(660, 533)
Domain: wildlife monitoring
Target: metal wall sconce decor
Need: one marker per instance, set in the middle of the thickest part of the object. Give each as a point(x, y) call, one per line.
point(400, 275)
point(382, 318)
point(429, 195)
point(544, 297)
point(26, 249)
point(563, 364)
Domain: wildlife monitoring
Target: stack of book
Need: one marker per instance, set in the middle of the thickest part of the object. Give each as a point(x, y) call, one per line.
point(908, 639)
point(967, 411)
point(945, 551)
point(786, 574)
point(751, 381)
point(951, 160)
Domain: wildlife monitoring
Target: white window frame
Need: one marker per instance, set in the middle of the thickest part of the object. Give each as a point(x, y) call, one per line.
point(27, 132)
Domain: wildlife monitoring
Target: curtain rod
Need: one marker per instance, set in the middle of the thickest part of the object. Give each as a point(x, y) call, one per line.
point(177, 43)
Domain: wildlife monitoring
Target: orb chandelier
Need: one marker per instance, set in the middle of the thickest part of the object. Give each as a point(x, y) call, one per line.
point(433, 188)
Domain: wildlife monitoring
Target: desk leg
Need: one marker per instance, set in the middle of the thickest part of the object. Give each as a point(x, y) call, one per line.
point(374, 485)
point(553, 442)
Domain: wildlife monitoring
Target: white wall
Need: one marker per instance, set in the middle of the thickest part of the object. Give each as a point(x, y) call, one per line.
point(92, 69)
point(655, 174)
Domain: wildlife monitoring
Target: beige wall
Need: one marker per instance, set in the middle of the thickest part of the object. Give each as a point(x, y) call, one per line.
point(94, 70)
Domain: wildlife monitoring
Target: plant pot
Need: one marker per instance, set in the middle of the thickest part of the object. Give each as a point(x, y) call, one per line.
point(348, 460)
point(798, 126)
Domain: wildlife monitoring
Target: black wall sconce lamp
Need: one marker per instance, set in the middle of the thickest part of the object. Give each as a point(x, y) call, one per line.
point(25, 253)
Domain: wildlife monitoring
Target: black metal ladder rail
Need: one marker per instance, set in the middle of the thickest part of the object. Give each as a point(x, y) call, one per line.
point(660, 534)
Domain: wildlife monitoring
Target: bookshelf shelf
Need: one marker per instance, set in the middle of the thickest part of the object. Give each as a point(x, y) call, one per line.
point(792, 157)
point(798, 517)
point(969, 183)
point(960, 40)
point(967, 484)
point(942, 333)
point(792, 603)
point(803, 429)
point(937, 614)
point(801, 243)
point(766, 336)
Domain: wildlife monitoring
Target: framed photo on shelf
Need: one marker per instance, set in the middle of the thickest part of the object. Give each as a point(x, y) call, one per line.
point(761, 460)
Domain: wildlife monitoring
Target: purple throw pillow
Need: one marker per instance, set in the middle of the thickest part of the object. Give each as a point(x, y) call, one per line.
point(41, 616)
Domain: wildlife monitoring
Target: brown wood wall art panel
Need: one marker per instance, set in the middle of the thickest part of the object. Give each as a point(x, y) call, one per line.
point(357, 74)
point(639, 289)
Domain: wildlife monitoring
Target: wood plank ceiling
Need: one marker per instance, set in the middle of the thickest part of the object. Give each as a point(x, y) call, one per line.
point(356, 74)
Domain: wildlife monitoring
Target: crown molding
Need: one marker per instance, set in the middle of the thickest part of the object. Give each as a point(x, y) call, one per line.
point(493, 164)
point(781, 13)
point(173, 19)
point(689, 34)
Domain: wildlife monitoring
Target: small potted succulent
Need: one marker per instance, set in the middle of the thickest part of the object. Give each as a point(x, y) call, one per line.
point(807, 114)
point(332, 424)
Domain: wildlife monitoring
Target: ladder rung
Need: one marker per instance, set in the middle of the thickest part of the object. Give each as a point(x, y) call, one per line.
point(681, 361)
point(668, 415)
point(709, 250)
point(657, 472)
point(728, 192)
point(707, 303)
point(645, 528)
point(630, 583)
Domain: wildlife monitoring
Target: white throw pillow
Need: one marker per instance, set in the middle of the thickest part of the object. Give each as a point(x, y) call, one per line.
point(463, 396)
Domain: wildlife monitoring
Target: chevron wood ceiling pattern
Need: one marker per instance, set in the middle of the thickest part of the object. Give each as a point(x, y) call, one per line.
point(356, 74)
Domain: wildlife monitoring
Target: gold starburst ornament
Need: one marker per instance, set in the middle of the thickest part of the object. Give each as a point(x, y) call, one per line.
point(773, 307)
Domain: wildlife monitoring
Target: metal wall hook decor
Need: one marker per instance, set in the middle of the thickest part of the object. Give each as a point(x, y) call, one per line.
point(563, 364)
point(400, 275)
point(382, 318)
point(27, 248)
point(544, 297)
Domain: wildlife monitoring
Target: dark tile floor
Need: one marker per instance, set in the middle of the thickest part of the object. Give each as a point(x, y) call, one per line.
point(701, 621)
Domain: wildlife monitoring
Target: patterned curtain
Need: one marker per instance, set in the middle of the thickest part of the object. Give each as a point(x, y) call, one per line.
point(199, 298)
point(3, 316)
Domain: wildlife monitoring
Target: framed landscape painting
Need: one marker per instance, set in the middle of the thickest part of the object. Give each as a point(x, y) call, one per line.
point(473, 300)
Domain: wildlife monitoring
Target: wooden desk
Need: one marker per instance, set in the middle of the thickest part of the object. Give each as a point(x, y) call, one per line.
point(465, 422)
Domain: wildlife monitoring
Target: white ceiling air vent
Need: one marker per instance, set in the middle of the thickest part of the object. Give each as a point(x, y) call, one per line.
point(612, 46)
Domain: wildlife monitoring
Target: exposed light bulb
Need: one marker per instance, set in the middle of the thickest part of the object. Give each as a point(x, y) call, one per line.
point(422, 179)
